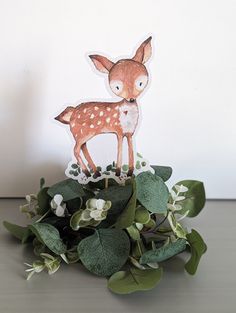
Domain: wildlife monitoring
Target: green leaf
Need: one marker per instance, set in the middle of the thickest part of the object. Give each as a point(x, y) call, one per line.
point(76, 222)
point(152, 192)
point(105, 252)
point(164, 172)
point(43, 201)
point(69, 189)
point(133, 232)
point(164, 252)
point(195, 197)
point(142, 215)
point(19, 232)
point(42, 182)
point(198, 248)
point(126, 218)
point(50, 236)
point(119, 197)
point(134, 279)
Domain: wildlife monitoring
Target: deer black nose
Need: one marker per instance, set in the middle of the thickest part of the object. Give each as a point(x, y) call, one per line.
point(132, 100)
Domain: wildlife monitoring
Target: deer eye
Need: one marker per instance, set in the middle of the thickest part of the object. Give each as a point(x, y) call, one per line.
point(116, 86)
point(141, 82)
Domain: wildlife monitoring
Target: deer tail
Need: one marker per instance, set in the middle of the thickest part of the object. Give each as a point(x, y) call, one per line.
point(65, 116)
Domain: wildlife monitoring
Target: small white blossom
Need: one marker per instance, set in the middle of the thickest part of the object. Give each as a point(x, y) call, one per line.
point(58, 206)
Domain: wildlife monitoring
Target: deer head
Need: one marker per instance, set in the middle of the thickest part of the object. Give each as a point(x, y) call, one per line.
point(127, 77)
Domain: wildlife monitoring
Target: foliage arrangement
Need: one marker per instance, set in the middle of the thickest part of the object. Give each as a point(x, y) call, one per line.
point(122, 232)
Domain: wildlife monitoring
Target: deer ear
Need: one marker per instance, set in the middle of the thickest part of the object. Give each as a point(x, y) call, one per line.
point(144, 52)
point(101, 63)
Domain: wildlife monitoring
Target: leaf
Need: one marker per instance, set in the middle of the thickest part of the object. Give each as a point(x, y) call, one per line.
point(164, 252)
point(43, 201)
point(50, 236)
point(69, 189)
point(126, 218)
point(76, 222)
point(198, 248)
point(105, 252)
point(152, 192)
point(134, 279)
point(119, 197)
point(142, 215)
point(194, 198)
point(19, 232)
point(164, 172)
point(133, 232)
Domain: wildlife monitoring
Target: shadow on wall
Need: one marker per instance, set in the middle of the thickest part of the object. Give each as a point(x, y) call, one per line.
point(19, 98)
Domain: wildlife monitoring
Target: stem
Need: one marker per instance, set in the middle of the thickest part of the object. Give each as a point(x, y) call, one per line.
point(106, 183)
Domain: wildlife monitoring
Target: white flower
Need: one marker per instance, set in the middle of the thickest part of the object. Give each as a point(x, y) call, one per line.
point(97, 215)
point(95, 209)
point(58, 206)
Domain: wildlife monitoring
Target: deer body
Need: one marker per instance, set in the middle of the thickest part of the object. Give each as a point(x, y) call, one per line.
point(127, 79)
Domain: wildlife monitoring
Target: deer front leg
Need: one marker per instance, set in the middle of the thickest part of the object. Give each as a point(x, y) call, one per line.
point(89, 160)
point(77, 150)
point(119, 155)
point(131, 155)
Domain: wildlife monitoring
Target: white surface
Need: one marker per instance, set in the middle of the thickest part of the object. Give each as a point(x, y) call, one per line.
point(188, 110)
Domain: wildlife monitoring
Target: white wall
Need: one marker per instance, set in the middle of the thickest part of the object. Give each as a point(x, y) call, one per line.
point(188, 112)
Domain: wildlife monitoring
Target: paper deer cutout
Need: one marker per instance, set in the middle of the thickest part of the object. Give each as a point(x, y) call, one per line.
point(127, 79)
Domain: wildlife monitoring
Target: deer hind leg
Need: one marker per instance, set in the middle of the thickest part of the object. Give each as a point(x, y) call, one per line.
point(131, 155)
point(119, 155)
point(77, 150)
point(89, 160)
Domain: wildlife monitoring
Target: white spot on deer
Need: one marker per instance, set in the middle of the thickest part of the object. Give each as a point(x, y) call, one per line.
point(81, 130)
point(76, 135)
point(115, 123)
point(72, 125)
point(84, 124)
point(99, 122)
point(95, 108)
point(78, 116)
point(128, 117)
point(91, 126)
point(108, 109)
point(108, 119)
point(101, 113)
point(115, 115)
point(117, 107)
point(92, 116)
point(85, 110)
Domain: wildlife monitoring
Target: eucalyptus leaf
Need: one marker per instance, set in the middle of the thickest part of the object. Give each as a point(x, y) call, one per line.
point(163, 253)
point(19, 232)
point(164, 172)
point(126, 217)
point(119, 197)
point(133, 232)
point(50, 236)
point(43, 201)
point(69, 189)
point(142, 215)
point(195, 197)
point(105, 252)
point(198, 248)
point(134, 279)
point(152, 192)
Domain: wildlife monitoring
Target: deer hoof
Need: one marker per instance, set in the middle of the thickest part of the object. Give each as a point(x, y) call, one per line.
point(130, 172)
point(118, 172)
point(96, 174)
point(86, 172)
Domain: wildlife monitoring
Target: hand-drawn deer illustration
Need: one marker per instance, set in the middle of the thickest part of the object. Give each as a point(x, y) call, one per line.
point(127, 79)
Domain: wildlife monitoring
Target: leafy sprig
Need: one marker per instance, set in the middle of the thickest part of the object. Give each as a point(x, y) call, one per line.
point(120, 232)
